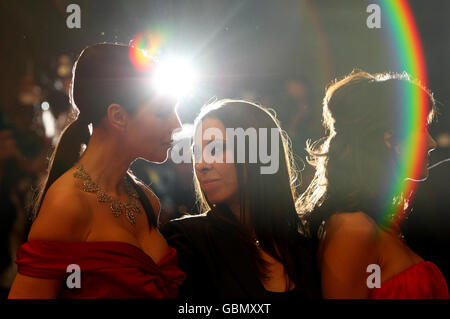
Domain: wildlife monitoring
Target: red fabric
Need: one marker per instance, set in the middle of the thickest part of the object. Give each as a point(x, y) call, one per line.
point(108, 269)
point(420, 281)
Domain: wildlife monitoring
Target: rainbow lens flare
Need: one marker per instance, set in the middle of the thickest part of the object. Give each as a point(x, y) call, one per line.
point(413, 101)
point(143, 48)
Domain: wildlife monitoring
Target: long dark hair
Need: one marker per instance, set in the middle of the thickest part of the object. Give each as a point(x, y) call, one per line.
point(270, 197)
point(103, 74)
point(353, 165)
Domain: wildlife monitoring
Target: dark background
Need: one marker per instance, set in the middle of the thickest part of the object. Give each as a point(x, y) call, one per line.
point(236, 44)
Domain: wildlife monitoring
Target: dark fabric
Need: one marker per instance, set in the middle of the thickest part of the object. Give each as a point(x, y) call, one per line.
point(218, 267)
point(8, 216)
point(151, 217)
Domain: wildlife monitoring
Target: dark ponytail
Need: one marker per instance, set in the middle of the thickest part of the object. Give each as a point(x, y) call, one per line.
point(64, 156)
point(102, 75)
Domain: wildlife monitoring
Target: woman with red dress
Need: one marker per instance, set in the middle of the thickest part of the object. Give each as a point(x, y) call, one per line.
point(94, 232)
point(355, 203)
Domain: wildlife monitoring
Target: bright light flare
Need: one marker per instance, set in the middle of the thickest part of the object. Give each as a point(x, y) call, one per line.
point(45, 106)
point(174, 76)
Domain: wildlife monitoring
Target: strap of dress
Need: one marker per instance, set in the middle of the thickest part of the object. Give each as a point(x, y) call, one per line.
point(145, 202)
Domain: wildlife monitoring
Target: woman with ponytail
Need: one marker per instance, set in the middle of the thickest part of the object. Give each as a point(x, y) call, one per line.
point(94, 233)
point(361, 192)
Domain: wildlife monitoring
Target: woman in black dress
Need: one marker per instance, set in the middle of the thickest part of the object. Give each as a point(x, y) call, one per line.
point(249, 241)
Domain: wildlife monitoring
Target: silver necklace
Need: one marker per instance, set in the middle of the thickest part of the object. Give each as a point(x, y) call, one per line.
point(130, 208)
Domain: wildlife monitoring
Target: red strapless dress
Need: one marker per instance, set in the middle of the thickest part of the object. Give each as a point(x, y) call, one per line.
point(420, 281)
point(108, 269)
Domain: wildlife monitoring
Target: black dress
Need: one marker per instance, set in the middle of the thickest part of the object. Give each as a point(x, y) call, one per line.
point(218, 267)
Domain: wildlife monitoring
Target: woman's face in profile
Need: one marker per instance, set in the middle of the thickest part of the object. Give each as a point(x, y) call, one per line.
point(151, 128)
point(218, 181)
point(428, 145)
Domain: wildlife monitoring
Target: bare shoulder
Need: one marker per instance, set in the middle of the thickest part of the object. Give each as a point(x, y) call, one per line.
point(64, 214)
point(352, 223)
point(351, 231)
point(350, 245)
point(154, 200)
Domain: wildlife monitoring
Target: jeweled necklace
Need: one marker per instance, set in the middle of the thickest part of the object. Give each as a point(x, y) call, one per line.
point(130, 208)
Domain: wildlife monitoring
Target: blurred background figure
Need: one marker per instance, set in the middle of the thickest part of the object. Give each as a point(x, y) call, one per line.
point(23, 148)
point(58, 97)
point(300, 120)
point(9, 204)
point(297, 96)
